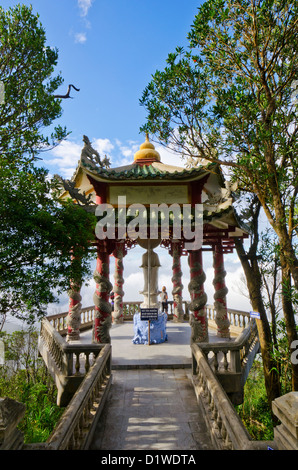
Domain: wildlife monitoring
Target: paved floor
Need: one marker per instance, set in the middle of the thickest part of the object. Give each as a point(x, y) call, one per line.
point(175, 352)
point(152, 404)
point(151, 409)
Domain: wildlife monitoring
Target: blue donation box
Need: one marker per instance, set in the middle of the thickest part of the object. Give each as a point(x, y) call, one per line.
point(149, 317)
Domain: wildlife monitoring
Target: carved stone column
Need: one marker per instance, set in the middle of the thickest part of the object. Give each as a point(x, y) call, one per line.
point(118, 253)
point(199, 320)
point(73, 320)
point(150, 265)
point(74, 313)
point(175, 251)
point(220, 302)
point(103, 308)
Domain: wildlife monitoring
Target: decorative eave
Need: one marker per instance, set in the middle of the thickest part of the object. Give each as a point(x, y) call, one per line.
point(154, 171)
point(145, 167)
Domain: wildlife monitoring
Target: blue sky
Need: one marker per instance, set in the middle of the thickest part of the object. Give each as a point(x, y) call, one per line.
point(109, 49)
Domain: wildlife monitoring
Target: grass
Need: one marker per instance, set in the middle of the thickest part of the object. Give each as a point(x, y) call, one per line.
point(255, 411)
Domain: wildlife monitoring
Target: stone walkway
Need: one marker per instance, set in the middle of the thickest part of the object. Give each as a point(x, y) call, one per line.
point(151, 409)
point(152, 404)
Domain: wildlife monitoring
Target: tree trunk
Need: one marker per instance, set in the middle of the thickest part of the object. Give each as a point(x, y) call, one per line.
point(289, 316)
point(253, 279)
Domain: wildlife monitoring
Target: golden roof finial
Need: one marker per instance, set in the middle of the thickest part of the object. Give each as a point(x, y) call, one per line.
point(147, 151)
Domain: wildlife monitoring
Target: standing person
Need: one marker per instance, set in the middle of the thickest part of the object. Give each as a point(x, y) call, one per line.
point(164, 299)
point(112, 296)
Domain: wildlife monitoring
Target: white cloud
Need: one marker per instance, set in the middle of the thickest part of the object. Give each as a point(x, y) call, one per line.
point(129, 150)
point(80, 38)
point(66, 157)
point(168, 157)
point(84, 6)
point(103, 146)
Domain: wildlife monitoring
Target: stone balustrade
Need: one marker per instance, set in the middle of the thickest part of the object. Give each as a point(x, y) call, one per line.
point(75, 429)
point(238, 318)
point(231, 360)
point(76, 426)
point(226, 428)
point(59, 320)
point(285, 409)
point(68, 363)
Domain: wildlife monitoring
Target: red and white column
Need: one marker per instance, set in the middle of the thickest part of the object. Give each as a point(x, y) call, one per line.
point(119, 254)
point(199, 320)
point(103, 308)
point(176, 249)
point(74, 307)
point(220, 301)
point(74, 312)
point(101, 297)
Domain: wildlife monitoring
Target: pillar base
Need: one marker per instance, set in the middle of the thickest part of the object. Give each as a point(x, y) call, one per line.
point(199, 330)
point(73, 336)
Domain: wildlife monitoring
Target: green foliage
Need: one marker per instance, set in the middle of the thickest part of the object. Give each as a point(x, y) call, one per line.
point(282, 355)
point(24, 378)
point(26, 66)
point(255, 411)
point(38, 233)
point(229, 99)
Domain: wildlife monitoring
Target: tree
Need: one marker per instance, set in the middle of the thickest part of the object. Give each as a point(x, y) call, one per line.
point(37, 237)
point(251, 262)
point(26, 68)
point(234, 106)
point(38, 232)
point(229, 99)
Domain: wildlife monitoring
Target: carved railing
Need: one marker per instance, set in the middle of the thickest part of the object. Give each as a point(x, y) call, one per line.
point(226, 428)
point(238, 318)
point(59, 320)
point(231, 360)
point(232, 354)
point(76, 427)
point(77, 424)
point(67, 363)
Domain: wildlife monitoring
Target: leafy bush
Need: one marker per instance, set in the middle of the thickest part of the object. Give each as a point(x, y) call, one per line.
point(24, 378)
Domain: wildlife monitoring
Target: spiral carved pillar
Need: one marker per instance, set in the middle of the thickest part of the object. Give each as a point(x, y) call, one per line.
point(74, 313)
point(178, 313)
point(199, 320)
point(118, 253)
point(103, 308)
point(220, 302)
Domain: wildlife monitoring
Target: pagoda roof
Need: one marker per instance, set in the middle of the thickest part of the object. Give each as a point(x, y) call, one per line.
point(147, 167)
point(153, 171)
